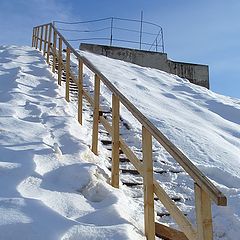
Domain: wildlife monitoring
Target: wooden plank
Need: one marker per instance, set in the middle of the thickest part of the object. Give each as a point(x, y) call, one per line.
point(126, 150)
point(41, 39)
point(37, 36)
point(67, 75)
point(115, 141)
point(88, 98)
point(33, 36)
point(59, 61)
point(203, 214)
point(80, 90)
point(45, 40)
point(149, 219)
point(49, 43)
point(96, 115)
point(184, 224)
point(168, 233)
point(54, 51)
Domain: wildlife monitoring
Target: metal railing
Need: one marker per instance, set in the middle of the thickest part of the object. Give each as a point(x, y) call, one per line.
point(50, 41)
point(111, 31)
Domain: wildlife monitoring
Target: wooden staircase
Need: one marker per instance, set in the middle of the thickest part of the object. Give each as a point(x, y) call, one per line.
point(137, 162)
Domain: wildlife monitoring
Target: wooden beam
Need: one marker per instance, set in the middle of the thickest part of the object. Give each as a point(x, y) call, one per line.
point(33, 36)
point(96, 115)
point(37, 36)
point(45, 40)
point(175, 212)
point(41, 39)
point(168, 233)
point(67, 75)
point(115, 141)
point(49, 43)
point(80, 90)
point(54, 51)
point(203, 214)
point(59, 61)
point(149, 218)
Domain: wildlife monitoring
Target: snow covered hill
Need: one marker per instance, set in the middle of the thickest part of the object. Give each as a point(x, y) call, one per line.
point(53, 187)
point(203, 124)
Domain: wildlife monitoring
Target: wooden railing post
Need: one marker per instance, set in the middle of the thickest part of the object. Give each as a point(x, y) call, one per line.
point(149, 218)
point(203, 214)
point(45, 40)
point(59, 61)
point(80, 90)
point(54, 51)
point(49, 43)
point(115, 141)
point(41, 38)
point(37, 36)
point(96, 115)
point(33, 37)
point(67, 74)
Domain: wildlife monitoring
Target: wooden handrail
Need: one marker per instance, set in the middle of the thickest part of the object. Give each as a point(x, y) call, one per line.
point(186, 164)
point(205, 190)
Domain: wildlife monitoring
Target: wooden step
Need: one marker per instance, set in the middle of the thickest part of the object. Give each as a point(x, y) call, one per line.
point(132, 184)
point(106, 142)
point(131, 171)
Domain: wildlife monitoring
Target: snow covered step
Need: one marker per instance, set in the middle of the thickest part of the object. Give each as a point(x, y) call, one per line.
point(175, 199)
point(106, 142)
point(130, 171)
point(131, 184)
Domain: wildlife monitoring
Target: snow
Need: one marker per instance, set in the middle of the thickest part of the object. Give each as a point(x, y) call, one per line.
point(203, 124)
point(54, 187)
point(51, 186)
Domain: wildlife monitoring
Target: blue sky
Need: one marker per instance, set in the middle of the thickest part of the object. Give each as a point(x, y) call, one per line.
point(206, 31)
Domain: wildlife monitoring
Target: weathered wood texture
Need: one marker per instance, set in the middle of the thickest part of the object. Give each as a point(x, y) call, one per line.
point(203, 214)
point(115, 141)
point(80, 90)
point(148, 185)
point(41, 38)
point(54, 51)
point(96, 115)
point(45, 40)
point(59, 61)
point(49, 43)
point(168, 233)
point(67, 94)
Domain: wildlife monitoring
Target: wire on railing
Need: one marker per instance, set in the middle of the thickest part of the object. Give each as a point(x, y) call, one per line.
point(119, 29)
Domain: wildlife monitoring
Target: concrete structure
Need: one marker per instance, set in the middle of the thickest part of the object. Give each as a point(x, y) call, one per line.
point(195, 73)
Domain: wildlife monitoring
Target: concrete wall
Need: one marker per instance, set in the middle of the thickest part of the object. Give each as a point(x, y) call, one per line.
point(195, 73)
